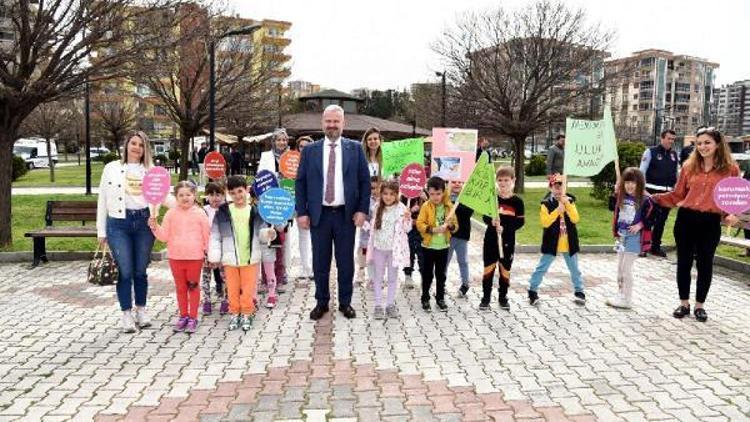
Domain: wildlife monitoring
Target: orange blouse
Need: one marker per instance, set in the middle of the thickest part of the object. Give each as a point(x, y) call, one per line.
point(695, 191)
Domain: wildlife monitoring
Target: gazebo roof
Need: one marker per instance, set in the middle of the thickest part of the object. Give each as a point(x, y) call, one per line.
point(330, 94)
point(355, 126)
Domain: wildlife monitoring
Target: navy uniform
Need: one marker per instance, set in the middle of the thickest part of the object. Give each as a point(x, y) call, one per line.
point(660, 166)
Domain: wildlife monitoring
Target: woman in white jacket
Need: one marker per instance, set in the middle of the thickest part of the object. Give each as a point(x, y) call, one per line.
point(122, 221)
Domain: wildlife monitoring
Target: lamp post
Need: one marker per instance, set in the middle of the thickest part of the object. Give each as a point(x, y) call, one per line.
point(245, 30)
point(87, 111)
point(442, 77)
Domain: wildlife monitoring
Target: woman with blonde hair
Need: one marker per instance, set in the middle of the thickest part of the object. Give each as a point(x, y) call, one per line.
point(122, 221)
point(710, 162)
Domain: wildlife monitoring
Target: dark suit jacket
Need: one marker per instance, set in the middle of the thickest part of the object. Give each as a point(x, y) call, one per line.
point(309, 184)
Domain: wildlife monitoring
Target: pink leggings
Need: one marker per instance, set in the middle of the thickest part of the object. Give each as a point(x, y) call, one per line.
point(380, 261)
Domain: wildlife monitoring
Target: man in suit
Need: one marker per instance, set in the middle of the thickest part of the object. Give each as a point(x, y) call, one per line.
point(333, 198)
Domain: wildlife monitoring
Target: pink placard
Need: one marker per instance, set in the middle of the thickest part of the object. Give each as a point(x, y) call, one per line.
point(732, 195)
point(412, 180)
point(453, 152)
point(156, 185)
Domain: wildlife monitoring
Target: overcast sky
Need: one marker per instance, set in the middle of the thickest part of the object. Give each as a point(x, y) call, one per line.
point(380, 44)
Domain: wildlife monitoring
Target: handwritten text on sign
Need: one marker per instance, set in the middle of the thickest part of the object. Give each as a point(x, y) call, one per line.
point(276, 206)
point(589, 145)
point(412, 180)
point(398, 154)
point(732, 195)
point(156, 185)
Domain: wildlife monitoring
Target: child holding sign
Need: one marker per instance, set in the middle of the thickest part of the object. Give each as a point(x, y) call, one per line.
point(511, 218)
point(185, 229)
point(235, 243)
point(436, 228)
point(559, 217)
point(388, 246)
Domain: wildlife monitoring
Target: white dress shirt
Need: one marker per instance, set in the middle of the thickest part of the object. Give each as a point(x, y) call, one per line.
point(338, 199)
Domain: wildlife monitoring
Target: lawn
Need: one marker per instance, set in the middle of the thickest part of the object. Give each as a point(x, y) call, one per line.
point(64, 177)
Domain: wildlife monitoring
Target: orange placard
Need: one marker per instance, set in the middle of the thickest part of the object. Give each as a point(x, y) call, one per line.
point(289, 163)
point(215, 165)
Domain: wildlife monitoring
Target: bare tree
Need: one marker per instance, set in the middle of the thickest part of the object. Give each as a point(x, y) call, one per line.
point(47, 121)
point(253, 113)
point(180, 76)
point(48, 60)
point(114, 119)
point(523, 70)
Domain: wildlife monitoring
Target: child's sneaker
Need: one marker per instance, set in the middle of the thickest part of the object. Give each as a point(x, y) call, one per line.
point(127, 324)
point(618, 302)
point(579, 298)
point(280, 288)
point(247, 322)
point(142, 320)
point(391, 311)
point(224, 308)
point(504, 303)
point(484, 305)
point(207, 308)
point(408, 282)
point(234, 322)
point(191, 326)
point(533, 297)
point(271, 302)
point(181, 324)
point(426, 305)
point(462, 290)
point(379, 313)
point(262, 288)
point(441, 305)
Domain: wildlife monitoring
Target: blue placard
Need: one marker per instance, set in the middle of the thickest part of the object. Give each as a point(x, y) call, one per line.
point(276, 206)
point(264, 181)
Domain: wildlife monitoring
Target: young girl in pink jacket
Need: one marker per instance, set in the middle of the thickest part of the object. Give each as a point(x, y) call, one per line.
point(388, 247)
point(185, 230)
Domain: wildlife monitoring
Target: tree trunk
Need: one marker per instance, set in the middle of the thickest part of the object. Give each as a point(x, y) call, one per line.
point(518, 146)
point(50, 163)
point(65, 145)
point(184, 153)
point(7, 136)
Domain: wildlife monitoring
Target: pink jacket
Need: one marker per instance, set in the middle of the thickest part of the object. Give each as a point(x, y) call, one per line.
point(186, 233)
point(401, 239)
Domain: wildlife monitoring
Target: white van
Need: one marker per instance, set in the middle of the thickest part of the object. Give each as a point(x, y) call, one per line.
point(34, 152)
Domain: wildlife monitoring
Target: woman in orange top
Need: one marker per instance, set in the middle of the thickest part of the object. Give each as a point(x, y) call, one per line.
point(708, 164)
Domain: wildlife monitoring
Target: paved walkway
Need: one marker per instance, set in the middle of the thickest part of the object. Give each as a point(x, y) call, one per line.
point(61, 356)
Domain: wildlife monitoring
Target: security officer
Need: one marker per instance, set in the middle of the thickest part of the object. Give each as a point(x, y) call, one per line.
point(659, 164)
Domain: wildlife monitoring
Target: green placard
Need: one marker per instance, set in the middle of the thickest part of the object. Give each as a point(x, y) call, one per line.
point(589, 145)
point(399, 154)
point(479, 191)
point(288, 185)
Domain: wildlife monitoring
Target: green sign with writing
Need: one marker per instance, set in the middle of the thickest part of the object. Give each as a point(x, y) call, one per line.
point(479, 191)
point(399, 154)
point(589, 145)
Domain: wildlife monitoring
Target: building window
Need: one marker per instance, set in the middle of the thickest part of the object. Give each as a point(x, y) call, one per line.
point(7, 36)
point(635, 85)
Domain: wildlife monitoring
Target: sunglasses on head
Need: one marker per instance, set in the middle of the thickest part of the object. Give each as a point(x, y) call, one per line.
point(709, 129)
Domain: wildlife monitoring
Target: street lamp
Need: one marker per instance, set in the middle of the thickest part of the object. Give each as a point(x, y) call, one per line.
point(245, 30)
point(442, 76)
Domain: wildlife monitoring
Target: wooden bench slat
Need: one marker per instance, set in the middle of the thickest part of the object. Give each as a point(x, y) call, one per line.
point(63, 232)
point(77, 204)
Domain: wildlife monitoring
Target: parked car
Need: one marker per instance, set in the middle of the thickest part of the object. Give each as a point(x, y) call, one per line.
point(99, 151)
point(34, 152)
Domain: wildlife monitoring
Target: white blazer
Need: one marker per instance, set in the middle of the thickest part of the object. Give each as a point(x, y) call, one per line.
point(111, 201)
point(268, 162)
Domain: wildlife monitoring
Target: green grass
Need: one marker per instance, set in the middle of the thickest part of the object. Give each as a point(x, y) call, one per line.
point(74, 176)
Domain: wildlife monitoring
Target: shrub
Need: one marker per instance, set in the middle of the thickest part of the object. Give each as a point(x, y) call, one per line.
point(630, 154)
point(174, 154)
point(106, 158)
point(537, 166)
point(19, 167)
point(161, 159)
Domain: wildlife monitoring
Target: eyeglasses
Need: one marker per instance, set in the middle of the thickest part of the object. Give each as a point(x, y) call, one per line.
point(710, 129)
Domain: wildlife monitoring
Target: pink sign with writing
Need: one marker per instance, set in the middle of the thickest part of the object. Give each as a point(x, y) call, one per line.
point(156, 184)
point(412, 180)
point(732, 195)
point(453, 152)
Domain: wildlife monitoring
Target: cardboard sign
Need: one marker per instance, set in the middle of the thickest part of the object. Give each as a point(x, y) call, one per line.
point(479, 191)
point(453, 152)
point(412, 180)
point(276, 206)
point(264, 181)
point(156, 185)
point(215, 165)
point(732, 195)
point(289, 163)
point(589, 145)
point(399, 154)
point(288, 185)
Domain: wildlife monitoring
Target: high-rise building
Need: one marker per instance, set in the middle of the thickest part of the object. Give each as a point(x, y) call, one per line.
point(300, 88)
point(731, 105)
point(658, 89)
point(7, 30)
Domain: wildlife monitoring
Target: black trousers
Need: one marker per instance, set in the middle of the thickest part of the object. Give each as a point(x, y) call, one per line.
point(697, 235)
point(503, 271)
point(435, 263)
point(662, 214)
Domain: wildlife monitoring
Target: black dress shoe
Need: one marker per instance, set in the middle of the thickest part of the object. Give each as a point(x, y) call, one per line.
point(348, 311)
point(681, 311)
point(642, 254)
point(658, 252)
point(318, 312)
point(700, 314)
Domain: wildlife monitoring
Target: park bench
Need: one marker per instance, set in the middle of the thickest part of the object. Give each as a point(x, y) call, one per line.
point(737, 241)
point(59, 211)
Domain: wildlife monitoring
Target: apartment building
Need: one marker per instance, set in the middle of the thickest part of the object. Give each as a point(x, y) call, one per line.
point(731, 108)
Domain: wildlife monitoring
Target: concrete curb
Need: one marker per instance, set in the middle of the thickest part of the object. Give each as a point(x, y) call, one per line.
point(14, 257)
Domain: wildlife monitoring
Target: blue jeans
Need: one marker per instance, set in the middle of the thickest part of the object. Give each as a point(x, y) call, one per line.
point(461, 247)
point(131, 242)
point(546, 260)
